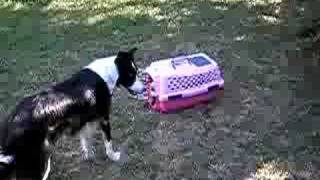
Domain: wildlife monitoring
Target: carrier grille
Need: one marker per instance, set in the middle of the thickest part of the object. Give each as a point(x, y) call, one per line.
point(178, 83)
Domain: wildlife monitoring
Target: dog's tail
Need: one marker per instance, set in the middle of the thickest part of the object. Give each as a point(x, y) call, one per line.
point(7, 162)
point(6, 165)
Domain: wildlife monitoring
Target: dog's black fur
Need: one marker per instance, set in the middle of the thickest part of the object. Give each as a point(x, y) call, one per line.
point(68, 105)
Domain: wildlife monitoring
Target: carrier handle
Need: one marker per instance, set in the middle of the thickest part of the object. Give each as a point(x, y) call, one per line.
point(179, 60)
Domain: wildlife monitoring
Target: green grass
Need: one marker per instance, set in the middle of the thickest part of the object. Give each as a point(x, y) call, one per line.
point(44, 44)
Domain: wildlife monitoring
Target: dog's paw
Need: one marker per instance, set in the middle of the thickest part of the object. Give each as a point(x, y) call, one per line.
point(88, 155)
point(114, 156)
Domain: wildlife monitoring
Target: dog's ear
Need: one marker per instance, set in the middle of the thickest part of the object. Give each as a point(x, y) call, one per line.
point(122, 54)
point(127, 55)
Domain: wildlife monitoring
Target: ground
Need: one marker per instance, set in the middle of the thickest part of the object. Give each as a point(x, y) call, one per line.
point(264, 127)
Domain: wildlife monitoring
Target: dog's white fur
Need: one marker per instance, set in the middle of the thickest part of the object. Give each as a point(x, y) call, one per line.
point(46, 174)
point(137, 86)
point(113, 155)
point(6, 159)
point(106, 69)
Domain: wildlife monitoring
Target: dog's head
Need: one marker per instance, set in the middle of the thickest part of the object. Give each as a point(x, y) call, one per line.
point(128, 72)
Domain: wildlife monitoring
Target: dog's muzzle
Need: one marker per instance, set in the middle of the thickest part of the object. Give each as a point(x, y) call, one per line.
point(137, 87)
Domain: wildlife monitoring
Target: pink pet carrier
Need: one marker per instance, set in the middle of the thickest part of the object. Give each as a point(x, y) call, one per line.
point(183, 82)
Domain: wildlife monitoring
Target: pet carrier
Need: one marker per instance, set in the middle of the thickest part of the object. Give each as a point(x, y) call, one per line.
point(183, 82)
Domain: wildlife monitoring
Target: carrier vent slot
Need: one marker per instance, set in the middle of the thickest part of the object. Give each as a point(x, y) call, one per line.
point(175, 97)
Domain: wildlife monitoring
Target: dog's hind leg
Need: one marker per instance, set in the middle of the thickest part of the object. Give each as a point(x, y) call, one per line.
point(48, 169)
point(47, 157)
point(106, 132)
point(86, 135)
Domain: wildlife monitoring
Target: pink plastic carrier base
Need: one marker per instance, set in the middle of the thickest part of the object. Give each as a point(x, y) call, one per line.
point(184, 103)
point(183, 82)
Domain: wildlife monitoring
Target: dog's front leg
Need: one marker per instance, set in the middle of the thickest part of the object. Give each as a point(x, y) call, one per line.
point(86, 135)
point(106, 132)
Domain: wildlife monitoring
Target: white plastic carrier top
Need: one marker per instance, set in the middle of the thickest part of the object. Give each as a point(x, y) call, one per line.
point(184, 75)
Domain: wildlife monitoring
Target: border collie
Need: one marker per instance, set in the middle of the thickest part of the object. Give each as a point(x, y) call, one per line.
point(31, 130)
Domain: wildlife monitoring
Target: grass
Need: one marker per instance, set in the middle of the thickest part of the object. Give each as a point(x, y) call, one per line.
point(262, 121)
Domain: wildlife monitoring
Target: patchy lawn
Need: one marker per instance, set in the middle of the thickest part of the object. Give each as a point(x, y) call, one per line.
point(265, 126)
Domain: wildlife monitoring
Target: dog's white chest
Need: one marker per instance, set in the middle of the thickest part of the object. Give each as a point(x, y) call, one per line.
point(106, 69)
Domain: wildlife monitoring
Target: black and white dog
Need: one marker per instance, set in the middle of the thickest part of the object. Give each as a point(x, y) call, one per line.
point(33, 127)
